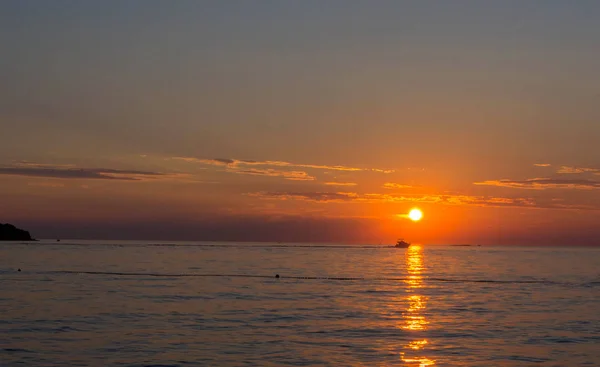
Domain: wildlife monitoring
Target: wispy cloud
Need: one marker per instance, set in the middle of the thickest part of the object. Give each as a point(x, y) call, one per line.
point(46, 184)
point(214, 162)
point(41, 165)
point(309, 196)
point(577, 170)
point(350, 197)
point(542, 164)
point(49, 171)
point(235, 163)
point(543, 183)
point(393, 185)
point(341, 183)
point(288, 175)
point(381, 170)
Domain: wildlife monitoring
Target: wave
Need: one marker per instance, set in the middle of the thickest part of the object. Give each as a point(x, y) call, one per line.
point(335, 278)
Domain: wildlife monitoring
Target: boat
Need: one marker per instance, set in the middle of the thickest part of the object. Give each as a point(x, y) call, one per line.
point(402, 244)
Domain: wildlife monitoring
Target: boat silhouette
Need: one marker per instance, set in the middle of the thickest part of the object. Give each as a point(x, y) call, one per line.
point(402, 244)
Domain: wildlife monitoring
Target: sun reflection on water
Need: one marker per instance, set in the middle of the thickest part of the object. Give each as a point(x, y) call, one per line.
point(414, 316)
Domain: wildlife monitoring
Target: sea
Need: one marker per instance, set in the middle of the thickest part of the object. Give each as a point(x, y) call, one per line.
point(125, 303)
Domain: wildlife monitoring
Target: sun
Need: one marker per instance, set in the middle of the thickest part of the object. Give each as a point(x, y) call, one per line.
point(415, 215)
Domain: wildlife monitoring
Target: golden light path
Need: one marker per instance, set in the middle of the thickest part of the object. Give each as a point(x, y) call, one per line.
point(415, 320)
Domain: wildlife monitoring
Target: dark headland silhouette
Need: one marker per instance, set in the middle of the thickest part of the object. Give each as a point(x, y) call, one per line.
point(8, 232)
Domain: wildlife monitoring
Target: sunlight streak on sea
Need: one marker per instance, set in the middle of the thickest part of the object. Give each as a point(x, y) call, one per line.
point(108, 303)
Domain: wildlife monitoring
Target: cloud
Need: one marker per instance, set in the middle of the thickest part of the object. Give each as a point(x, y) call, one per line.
point(214, 162)
point(45, 184)
point(542, 164)
point(341, 183)
point(219, 162)
point(308, 196)
point(576, 170)
point(41, 165)
point(288, 164)
point(80, 173)
point(382, 170)
point(350, 197)
point(235, 163)
point(288, 175)
point(543, 183)
point(452, 200)
point(393, 185)
point(251, 167)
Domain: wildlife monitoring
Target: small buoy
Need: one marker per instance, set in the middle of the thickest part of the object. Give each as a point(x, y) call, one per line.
point(276, 275)
point(19, 269)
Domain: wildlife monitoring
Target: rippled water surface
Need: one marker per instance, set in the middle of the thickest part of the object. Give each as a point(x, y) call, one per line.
point(138, 304)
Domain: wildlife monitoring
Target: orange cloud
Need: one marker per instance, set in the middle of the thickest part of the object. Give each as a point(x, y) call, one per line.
point(576, 170)
point(542, 164)
point(393, 185)
point(352, 197)
point(288, 175)
point(340, 183)
point(237, 166)
point(214, 162)
point(42, 165)
point(382, 170)
point(233, 163)
point(543, 183)
point(339, 197)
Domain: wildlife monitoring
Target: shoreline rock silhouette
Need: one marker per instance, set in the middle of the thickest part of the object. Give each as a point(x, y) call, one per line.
point(9, 232)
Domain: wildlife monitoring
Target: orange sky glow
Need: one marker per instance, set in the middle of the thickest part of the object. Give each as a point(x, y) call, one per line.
point(297, 122)
point(186, 195)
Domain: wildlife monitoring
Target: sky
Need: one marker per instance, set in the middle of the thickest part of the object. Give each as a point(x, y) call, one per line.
point(305, 121)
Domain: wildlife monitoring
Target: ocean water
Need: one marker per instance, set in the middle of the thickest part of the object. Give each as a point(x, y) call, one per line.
point(90, 303)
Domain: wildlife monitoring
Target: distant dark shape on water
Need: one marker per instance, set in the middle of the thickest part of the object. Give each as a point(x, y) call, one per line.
point(8, 232)
point(402, 244)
